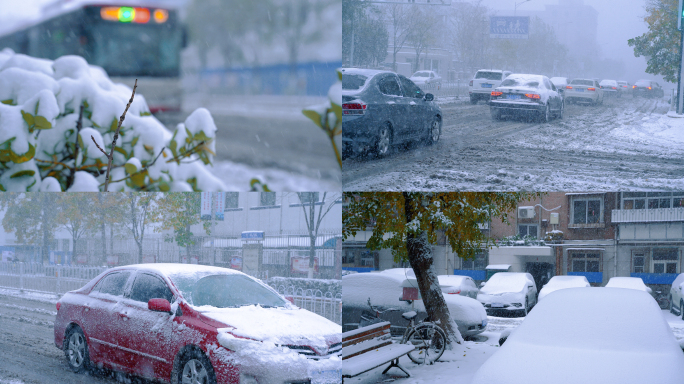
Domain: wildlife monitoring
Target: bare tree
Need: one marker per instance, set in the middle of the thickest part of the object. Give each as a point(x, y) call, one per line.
point(398, 16)
point(309, 200)
point(139, 208)
point(422, 33)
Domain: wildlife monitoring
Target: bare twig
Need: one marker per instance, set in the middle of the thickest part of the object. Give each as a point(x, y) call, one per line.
point(192, 151)
point(143, 169)
point(98, 146)
point(116, 136)
point(72, 172)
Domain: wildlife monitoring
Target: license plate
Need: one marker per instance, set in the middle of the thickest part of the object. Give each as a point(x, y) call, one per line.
point(579, 90)
point(497, 305)
point(333, 376)
point(486, 85)
point(513, 97)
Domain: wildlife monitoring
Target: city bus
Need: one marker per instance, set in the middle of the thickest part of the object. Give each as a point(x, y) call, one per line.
point(128, 39)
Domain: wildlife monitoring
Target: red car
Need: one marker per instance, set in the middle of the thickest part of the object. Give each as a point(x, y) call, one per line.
point(184, 323)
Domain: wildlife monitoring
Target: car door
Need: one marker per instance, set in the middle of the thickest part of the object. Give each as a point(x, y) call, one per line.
point(418, 107)
point(151, 335)
point(102, 322)
point(394, 106)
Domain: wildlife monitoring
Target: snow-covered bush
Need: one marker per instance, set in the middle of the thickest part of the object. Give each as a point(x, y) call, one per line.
point(41, 148)
point(328, 116)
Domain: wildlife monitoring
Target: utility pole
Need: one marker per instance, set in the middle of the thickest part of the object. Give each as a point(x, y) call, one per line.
point(680, 85)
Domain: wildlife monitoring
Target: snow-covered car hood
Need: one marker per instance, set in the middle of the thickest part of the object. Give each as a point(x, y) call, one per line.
point(503, 298)
point(280, 326)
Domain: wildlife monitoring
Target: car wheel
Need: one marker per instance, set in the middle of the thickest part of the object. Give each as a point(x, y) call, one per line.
point(671, 305)
point(193, 367)
point(383, 142)
point(681, 309)
point(562, 108)
point(546, 115)
point(76, 350)
point(434, 131)
point(473, 100)
point(496, 113)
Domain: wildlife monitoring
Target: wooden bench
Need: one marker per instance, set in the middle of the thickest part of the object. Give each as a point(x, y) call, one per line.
point(369, 347)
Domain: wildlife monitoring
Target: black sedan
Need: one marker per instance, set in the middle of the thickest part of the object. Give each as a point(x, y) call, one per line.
point(381, 109)
point(527, 94)
point(647, 88)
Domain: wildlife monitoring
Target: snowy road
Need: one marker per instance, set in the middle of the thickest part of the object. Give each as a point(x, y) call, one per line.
point(626, 144)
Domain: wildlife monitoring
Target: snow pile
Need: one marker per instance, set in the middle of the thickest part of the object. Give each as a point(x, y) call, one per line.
point(563, 282)
point(505, 282)
point(629, 283)
point(589, 335)
point(41, 149)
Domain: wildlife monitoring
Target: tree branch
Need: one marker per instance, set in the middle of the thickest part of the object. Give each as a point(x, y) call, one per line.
point(116, 136)
point(72, 171)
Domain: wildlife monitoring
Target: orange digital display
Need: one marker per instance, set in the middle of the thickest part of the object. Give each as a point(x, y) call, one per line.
point(133, 15)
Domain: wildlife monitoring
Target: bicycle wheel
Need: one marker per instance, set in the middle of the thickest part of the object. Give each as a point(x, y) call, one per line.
point(430, 342)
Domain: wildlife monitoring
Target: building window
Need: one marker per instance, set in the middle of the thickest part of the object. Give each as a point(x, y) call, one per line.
point(652, 200)
point(232, 200)
point(308, 197)
point(527, 230)
point(586, 262)
point(478, 263)
point(359, 257)
point(587, 211)
point(639, 262)
point(665, 260)
point(268, 199)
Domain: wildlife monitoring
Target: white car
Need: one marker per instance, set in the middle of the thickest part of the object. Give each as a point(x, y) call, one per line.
point(522, 94)
point(629, 283)
point(584, 90)
point(589, 335)
point(384, 289)
point(458, 285)
point(507, 292)
point(560, 83)
point(624, 86)
point(562, 282)
point(426, 78)
point(610, 88)
point(677, 296)
point(484, 82)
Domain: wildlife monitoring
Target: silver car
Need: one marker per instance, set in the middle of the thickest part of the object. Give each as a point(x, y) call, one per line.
point(584, 90)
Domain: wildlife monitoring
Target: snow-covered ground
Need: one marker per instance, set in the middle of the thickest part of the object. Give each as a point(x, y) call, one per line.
point(460, 364)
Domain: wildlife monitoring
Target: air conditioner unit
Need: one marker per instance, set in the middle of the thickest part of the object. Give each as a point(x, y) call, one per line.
point(525, 212)
point(554, 218)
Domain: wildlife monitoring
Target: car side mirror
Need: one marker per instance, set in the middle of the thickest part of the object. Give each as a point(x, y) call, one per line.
point(159, 305)
point(530, 286)
point(429, 97)
point(482, 284)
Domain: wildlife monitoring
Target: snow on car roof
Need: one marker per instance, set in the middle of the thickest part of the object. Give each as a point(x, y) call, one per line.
point(503, 282)
point(450, 280)
point(558, 282)
point(583, 335)
point(178, 268)
point(627, 282)
point(498, 266)
point(609, 82)
point(363, 71)
point(383, 289)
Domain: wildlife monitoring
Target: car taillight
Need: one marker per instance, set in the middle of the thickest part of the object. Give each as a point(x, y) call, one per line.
point(591, 89)
point(471, 83)
point(497, 93)
point(355, 108)
point(58, 305)
point(614, 87)
point(568, 87)
point(633, 86)
point(532, 96)
point(649, 87)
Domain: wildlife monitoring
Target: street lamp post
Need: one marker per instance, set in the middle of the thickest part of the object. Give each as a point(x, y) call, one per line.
point(515, 9)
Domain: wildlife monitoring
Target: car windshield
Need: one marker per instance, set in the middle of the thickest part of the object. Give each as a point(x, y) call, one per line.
point(421, 74)
point(487, 75)
point(518, 82)
point(582, 82)
point(353, 82)
point(643, 83)
point(225, 290)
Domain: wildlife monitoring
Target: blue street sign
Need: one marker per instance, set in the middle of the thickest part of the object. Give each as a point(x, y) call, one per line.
point(509, 27)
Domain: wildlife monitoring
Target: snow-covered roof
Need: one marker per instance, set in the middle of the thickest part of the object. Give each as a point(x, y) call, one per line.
point(505, 282)
point(563, 282)
point(498, 266)
point(627, 282)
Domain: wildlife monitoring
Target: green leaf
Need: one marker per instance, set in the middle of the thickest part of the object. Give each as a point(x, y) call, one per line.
point(339, 74)
point(18, 159)
point(313, 115)
point(85, 104)
point(8, 102)
point(138, 179)
point(200, 136)
point(338, 110)
point(130, 168)
point(188, 139)
point(2, 188)
point(173, 145)
point(42, 123)
point(37, 104)
point(26, 172)
point(113, 126)
point(164, 186)
point(145, 114)
point(121, 151)
point(134, 141)
point(28, 118)
point(80, 142)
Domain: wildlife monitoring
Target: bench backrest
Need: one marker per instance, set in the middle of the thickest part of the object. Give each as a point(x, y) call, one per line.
point(373, 336)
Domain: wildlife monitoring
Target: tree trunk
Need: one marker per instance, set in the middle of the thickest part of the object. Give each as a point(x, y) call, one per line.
point(420, 258)
point(312, 236)
point(46, 224)
point(103, 259)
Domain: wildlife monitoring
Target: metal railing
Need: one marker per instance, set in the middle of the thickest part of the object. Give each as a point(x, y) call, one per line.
point(57, 279)
point(325, 305)
point(447, 89)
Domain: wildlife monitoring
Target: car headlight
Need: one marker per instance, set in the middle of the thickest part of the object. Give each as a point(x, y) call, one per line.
point(517, 305)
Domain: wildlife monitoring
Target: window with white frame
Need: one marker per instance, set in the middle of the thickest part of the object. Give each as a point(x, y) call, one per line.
point(307, 197)
point(652, 200)
point(527, 230)
point(587, 210)
point(665, 260)
point(478, 263)
point(639, 262)
point(585, 261)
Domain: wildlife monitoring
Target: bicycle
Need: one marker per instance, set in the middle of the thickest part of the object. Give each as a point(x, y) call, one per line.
point(427, 336)
point(663, 299)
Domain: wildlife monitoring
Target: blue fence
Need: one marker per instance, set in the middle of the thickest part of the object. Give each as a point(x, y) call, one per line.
point(358, 269)
point(475, 274)
point(656, 278)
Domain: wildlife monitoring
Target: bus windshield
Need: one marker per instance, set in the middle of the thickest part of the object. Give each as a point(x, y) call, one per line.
point(135, 50)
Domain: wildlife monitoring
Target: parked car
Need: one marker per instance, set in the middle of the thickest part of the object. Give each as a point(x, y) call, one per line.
point(384, 289)
point(647, 88)
point(589, 335)
point(484, 81)
point(458, 285)
point(629, 283)
point(677, 296)
point(560, 83)
point(623, 86)
point(584, 90)
point(192, 323)
point(610, 88)
point(563, 282)
point(381, 109)
point(426, 78)
point(508, 293)
point(526, 94)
